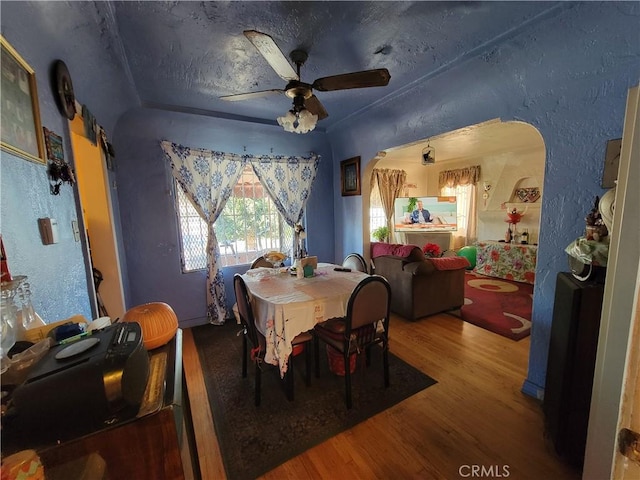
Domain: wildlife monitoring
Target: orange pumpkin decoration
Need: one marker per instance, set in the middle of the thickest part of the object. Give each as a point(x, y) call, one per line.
point(157, 320)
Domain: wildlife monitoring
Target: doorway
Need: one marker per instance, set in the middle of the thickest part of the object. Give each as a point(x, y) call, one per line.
point(511, 156)
point(95, 202)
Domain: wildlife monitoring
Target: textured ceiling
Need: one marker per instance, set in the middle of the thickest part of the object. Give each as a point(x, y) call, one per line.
point(184, 55)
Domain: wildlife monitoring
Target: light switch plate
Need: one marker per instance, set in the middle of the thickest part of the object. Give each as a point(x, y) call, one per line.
point(76, 230)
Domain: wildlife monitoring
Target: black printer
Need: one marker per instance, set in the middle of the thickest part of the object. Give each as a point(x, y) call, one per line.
point(79, 387)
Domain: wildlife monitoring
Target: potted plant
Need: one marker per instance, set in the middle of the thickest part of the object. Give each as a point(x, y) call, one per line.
point(381, 233)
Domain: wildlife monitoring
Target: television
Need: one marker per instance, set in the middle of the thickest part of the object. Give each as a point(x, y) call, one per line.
point(443, 214)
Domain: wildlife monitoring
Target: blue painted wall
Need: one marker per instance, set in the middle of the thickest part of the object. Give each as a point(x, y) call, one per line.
point(149, 224)
point(55, 272)
point(40, 32)
point(568, 76)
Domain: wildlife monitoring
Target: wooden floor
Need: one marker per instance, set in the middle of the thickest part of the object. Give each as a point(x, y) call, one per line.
point(474, 420)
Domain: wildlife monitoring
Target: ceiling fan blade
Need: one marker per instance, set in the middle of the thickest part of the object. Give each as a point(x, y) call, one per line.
point(314, 106)
point(367, 78)
point(247, 96)
point(272, 54)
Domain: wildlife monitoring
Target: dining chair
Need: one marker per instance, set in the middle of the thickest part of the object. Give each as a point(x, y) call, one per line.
point(260, 262)
point(365, 324)
point(356, 262)
point(252, 335)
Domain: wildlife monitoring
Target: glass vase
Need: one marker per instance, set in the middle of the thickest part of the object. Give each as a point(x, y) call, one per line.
point(8, 320)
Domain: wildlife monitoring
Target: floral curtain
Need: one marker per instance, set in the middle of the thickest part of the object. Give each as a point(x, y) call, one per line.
point(208, 178)
point(464, 177)
point(390, 184)
point(288, 182)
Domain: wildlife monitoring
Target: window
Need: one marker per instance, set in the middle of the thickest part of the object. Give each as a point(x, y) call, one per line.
point(249, 226)
point(463, 198)
point(377, 217)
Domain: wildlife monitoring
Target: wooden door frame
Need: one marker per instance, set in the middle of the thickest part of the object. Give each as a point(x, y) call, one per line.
point(618, 304)
point(116, 287)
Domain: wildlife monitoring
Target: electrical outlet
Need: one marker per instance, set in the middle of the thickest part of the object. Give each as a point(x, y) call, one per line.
point(48, 230)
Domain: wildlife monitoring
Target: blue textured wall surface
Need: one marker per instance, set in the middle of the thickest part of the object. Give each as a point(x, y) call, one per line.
point(568, 76)
point(149, 222)
point(55, 272)
point(41, 33)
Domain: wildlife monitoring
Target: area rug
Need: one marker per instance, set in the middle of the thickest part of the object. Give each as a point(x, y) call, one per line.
point(500, 306)
point(254, 440)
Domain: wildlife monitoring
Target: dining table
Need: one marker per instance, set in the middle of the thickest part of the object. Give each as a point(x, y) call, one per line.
point(285, 305)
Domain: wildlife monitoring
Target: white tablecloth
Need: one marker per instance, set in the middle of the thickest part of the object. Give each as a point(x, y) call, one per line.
point(285, 306)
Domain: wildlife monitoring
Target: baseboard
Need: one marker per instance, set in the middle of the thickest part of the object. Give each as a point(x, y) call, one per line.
point(531, 389)
point(193, 322)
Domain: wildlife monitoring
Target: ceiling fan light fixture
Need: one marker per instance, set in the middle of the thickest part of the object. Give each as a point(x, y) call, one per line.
point(287, 121)
point(302, 121)
point(307, 120)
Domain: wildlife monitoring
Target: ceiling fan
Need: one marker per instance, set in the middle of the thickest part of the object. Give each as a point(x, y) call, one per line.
point(307, 109)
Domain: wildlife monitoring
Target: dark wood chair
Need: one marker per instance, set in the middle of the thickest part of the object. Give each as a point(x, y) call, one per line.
point(260, 262)
point(365, 324)
point(258, 343)
point(355, 262)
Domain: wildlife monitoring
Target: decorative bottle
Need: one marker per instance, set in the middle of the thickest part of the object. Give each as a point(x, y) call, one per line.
point(8, 313)
point(299, 269)
point(524, 239)
point(507, 235)
point(27, 316)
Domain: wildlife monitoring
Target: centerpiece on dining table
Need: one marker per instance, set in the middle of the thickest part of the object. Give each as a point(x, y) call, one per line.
point(275, 258)
point(299, 236)
point(303, 265)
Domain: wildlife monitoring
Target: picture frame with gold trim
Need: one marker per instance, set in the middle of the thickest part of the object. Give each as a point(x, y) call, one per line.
point(21, 132)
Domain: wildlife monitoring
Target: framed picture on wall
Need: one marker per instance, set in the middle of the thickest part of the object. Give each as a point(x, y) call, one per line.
point(21, 128)
point(350, 176)
point(53, 142)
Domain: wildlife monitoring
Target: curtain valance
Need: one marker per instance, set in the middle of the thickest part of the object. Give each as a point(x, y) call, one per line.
point(461, 176)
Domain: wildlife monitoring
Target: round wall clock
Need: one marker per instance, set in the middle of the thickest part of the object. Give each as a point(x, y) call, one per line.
point(64, 90)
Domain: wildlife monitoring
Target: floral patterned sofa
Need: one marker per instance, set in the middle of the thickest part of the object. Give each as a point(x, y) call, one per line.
point(419, 286)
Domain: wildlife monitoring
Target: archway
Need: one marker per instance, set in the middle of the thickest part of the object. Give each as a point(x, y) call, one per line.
point(511, 154)
point(512, 159)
